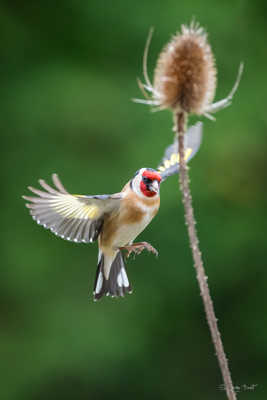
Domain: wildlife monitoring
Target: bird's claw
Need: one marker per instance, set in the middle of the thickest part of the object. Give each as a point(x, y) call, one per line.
point(137, 248)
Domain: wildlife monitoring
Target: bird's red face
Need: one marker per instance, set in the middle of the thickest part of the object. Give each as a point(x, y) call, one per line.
point(150, 182)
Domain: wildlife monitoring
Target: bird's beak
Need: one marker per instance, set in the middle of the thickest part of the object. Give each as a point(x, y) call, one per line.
point(154, 186)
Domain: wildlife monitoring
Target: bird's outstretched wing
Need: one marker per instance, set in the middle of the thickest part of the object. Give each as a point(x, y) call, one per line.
point(72, 217)
point(170, 162)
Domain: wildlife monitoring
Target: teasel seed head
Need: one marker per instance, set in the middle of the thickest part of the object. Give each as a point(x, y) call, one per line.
point(185, 75)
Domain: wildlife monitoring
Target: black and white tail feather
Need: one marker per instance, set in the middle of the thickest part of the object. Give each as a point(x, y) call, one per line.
point(117, 283)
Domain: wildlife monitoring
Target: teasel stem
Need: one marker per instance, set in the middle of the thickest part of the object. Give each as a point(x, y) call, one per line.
point(180, 128)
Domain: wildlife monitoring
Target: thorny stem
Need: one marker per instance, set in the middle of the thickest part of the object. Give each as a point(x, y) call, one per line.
point(180, 127)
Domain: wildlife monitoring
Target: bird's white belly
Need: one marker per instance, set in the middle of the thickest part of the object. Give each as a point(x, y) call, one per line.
point(128, 232)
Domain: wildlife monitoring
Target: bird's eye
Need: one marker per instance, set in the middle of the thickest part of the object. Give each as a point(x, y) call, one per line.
point(146, 180)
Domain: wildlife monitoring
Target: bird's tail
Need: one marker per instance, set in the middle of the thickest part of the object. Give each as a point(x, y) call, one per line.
point(117, 283)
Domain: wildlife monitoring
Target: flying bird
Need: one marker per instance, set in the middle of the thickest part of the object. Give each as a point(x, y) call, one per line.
point(115, 220)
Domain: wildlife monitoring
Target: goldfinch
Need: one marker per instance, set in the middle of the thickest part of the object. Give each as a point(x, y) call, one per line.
point(114, 220)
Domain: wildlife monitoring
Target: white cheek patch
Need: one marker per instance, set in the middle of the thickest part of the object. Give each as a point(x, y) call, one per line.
point(136, 183)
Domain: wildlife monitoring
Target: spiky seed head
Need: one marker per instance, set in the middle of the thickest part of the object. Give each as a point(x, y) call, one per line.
point(185, 75)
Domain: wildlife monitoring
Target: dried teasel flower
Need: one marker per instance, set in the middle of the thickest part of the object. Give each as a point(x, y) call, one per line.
point(185, 75)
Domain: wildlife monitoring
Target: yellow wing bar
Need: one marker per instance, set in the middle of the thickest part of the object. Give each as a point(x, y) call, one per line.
point(174, 159)
point(69, 206)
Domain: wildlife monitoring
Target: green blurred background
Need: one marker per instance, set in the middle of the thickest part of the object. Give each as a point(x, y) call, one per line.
point(68, 73)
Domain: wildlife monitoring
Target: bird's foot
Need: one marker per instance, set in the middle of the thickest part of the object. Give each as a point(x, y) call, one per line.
point(137, 248)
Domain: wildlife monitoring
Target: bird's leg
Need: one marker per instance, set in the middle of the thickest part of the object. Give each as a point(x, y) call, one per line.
point(137, 248)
